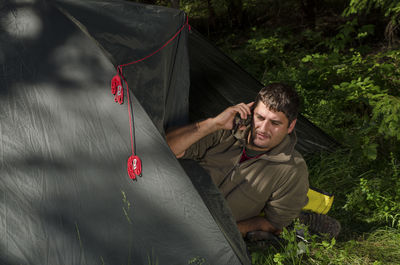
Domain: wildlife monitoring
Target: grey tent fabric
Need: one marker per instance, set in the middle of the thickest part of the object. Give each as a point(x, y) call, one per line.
point(65, 196)
point(128, 32)
point(215, 203)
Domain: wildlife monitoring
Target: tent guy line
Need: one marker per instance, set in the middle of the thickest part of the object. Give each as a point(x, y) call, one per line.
point(134, 166)
point(119, 68)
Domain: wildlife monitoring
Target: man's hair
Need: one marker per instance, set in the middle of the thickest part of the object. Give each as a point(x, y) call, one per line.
point(280, 97)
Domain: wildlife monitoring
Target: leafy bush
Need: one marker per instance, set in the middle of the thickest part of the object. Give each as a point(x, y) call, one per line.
point(376, 198)
point(291, 250)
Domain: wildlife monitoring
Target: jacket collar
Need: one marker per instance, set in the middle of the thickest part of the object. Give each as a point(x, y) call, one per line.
point(280, 153)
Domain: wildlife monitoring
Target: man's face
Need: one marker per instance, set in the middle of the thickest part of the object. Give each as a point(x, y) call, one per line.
point(269, 128)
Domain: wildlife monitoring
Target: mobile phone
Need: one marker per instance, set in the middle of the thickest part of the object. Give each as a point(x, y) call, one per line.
point(238, 121)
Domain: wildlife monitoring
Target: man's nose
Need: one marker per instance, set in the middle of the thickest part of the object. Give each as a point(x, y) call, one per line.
point(265, 125)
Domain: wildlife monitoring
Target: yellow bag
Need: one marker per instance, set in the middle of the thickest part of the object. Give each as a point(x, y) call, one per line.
point(318, 201)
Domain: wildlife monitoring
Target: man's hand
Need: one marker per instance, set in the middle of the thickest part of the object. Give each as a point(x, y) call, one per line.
point(225, 119)
point(257, 223)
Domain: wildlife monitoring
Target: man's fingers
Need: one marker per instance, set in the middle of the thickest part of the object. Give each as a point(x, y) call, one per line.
point(244, 109)
point(226, 119)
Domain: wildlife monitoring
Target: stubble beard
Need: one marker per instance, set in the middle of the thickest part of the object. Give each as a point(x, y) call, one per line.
point(253, 135)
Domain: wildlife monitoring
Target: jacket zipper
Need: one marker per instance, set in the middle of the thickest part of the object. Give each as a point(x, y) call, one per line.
point(232, 170)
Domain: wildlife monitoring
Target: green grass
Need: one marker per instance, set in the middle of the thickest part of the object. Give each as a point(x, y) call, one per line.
point(378, 247)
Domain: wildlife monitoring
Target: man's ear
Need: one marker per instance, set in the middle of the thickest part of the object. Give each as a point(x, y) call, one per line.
point(291, 126)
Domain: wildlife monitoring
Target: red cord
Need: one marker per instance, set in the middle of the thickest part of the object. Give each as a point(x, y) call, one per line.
point(162, 47)
point(134, 166)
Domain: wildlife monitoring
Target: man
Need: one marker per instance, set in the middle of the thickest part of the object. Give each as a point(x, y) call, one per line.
point(255, 167)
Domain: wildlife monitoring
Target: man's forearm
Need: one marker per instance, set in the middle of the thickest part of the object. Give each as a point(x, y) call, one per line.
point(182, 138)
point(257, 223)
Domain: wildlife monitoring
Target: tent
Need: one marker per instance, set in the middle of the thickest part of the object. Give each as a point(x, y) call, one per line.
point(65, 195)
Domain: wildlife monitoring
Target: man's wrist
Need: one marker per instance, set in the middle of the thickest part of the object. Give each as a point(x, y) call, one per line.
point(208, 125)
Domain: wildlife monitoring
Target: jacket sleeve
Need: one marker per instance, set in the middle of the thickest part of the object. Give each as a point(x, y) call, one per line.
point(289, 198)
point(199, 149)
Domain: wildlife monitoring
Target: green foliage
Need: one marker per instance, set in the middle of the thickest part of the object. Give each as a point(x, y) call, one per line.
point(386, 115)
point(378, 247)
point(196, 9)
point(376, 198)
point(350, 34)
point(390, 8)
point(291, 251)
point(259, 52)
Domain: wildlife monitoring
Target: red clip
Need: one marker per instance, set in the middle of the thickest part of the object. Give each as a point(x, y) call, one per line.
point(134, 167)
point(117, 89)
point(115, 82)
point(119, 96)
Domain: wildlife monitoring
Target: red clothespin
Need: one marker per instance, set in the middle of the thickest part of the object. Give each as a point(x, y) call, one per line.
point(117, 89)
point(134, 167)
